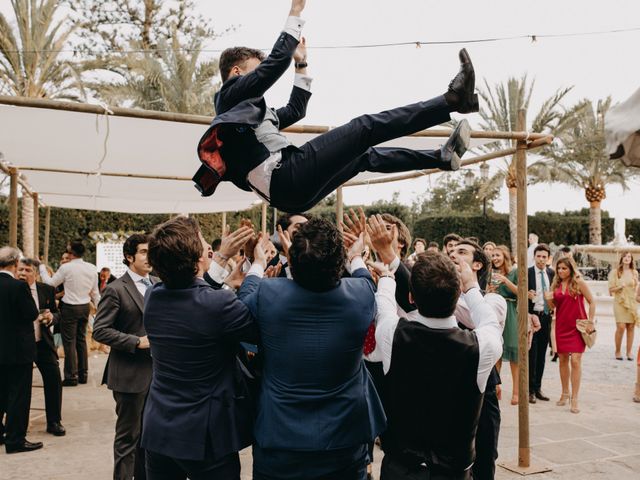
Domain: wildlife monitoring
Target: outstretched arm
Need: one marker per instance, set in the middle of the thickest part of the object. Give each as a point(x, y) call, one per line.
point(296, 108)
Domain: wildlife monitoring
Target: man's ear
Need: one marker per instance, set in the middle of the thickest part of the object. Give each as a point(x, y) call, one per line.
point(235, 71)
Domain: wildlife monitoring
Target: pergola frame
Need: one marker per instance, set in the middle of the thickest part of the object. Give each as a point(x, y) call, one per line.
point(523, 141)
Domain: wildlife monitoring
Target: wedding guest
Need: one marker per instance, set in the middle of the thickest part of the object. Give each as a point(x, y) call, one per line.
point(104, 278)
point(623, 283)
point(533, 243)
point(504, 282)
point(433, 247)
point(198, 414)
point(419, 246)
point(449, 242)
point(567, 295)
point(487, 248)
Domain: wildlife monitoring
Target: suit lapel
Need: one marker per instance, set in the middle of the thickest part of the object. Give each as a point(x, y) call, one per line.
point(133, 291)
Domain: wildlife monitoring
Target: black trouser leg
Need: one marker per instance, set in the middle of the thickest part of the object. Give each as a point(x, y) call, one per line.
point(537, 353)
point(161, 467)
point(484, 467)
point(126, 445)
point(72, 319)
point(47, 363)
point(326, 162)
point(15, 381)
point(81, 346)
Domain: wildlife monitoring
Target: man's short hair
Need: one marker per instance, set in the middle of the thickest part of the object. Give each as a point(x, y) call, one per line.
point(215, 245)
point(450, 236)
point(418, 239)
point(30, 262)
point(175, 250)
point(130, 246)
point(76, 248)
point(9, 256)
point(236, 56)
point(542, 247)
point(435, 285)
point(284, 221)
point(479, 256)
point(565, 249)
point(433, 245)
point(404, 235)
point(107, 269)
point(317, 255)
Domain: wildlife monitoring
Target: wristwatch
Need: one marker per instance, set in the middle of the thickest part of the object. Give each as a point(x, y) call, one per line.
point(301, 65)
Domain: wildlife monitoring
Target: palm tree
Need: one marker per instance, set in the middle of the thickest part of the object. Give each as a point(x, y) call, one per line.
point(170, 78)
point(32, 65)
point(499, 111)
point(580, 160)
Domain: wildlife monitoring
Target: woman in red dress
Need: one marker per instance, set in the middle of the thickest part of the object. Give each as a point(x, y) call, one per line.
point(567, 295)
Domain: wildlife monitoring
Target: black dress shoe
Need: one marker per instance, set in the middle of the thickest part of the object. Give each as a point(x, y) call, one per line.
point(541, 396)
point(67, 382)
point(460, 94)
point(455, 147)
point(82, 380)
point(23, 447)
point(532, 398)
point(1, 439)
point(56, 428)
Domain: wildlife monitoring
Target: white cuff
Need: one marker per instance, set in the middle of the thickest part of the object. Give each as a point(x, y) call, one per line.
point(473, 297)
point(256, 269)
point(356, 263)
point(218, 272)
point(303, 81)
point(293, 27)
point(393, 266)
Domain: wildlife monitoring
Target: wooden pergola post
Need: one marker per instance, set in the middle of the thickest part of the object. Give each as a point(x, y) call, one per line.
point(13, 207)
point(36, 226)
point(264, 218)
point(224, 223)
point(339, 208)
point(47, 232)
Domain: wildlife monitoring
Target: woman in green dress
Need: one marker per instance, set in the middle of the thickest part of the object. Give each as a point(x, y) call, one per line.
point(504, 282)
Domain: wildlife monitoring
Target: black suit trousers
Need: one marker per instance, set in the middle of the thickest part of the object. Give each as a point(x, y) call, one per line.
point(392, 469)
point(15, 400)
point(161, 467)
point(484, 468)
point(73, 327)
point(538, 352)
point(309, 173)
point(47, 363)
point(128, 457)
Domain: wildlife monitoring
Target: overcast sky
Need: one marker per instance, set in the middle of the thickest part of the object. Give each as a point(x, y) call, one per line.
point(349, 82)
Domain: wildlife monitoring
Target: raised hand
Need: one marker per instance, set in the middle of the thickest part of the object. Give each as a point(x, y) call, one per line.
point(285, 240)
point(300, 55)
point(383, 241)
point(356, 249)
point(468, 278)
point(354, 223)
point(232, 242)
point(273, 271)
point(236, 277)
point(259, 251)
point(381, 269)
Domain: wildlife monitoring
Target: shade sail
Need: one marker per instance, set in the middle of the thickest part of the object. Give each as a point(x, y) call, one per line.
point(48, 144)
point(622, 130)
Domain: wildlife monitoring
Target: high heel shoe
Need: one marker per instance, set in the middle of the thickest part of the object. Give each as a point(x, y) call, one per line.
point(563, 400)
point(574, 407)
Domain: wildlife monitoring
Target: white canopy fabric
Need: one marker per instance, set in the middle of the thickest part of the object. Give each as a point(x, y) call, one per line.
point(41, 138)
point(622, 128)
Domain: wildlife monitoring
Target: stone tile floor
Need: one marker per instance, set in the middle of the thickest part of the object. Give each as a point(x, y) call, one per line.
point(602, 442)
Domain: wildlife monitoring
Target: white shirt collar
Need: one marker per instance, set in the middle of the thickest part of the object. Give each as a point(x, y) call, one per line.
point(8, 273)
point(135, 277)
point(437, 323)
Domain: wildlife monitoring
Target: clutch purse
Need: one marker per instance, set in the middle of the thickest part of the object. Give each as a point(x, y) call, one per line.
point(587, 330)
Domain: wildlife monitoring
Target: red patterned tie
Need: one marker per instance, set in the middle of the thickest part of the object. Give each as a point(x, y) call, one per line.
point(370, 339)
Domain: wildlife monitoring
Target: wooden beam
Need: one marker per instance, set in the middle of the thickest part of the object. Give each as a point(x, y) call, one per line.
point(339, 208)
point(13, 207)
point(47, 233)
point(524, 448)
point(264, 218)
point(36, 226)
point(224, 223)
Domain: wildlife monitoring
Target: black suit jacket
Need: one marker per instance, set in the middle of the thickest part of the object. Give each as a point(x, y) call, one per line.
point(118, 323)
point(47, 299)
point(240, 107)
point(531, 283)
point(17, 314)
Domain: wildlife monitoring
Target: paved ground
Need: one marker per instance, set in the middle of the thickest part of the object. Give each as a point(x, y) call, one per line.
point(602, 442)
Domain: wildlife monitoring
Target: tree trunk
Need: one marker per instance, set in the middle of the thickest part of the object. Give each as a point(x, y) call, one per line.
point(27, 224)
point(595, 224)
point(513, 221)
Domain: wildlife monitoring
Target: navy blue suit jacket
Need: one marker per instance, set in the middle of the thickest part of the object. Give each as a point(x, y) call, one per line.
point(316, 393)
point(198, 395)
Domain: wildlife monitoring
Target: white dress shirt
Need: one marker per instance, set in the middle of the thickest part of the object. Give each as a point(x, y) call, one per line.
point(80, 280)
point(36, 322)
point(260, 177)
point(538, 304)
point(488, 329)
point(137, 281)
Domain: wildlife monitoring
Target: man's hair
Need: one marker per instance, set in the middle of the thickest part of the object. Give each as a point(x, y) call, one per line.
point(215, 245)
point(30, 262)
point(284, 221)
point(76, 248)
point(479, 256)
point(107, 269)
point(435, 285)
point(450, 236)
point(404, 235)
point(130, 246)
point(317, 255)
point(565, 249)
point(418, 239)
point(9, 256)
point(175, 250)
point(486, 244)
point(236, 56)
point(542, 247)
point(433, 244)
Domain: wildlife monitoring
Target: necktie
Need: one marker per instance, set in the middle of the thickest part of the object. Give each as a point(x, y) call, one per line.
point(370, 339)
point(146, 282)
point(544, 289)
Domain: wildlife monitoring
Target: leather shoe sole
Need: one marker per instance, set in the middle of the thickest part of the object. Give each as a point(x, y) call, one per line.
point(56, 430)
point(456, 146)
point(25, 447)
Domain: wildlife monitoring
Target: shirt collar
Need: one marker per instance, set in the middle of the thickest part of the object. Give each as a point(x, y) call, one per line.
point(8, 273)
point(437, 323)
point(544, 270)
point(135, 277)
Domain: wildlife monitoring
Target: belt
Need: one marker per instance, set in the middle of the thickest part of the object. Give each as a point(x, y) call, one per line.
point(259, 192)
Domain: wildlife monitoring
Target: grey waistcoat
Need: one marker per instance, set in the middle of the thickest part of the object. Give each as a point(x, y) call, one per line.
point(269, 134)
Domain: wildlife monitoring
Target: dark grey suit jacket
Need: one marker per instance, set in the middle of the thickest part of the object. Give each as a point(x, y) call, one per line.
point(118, 324)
